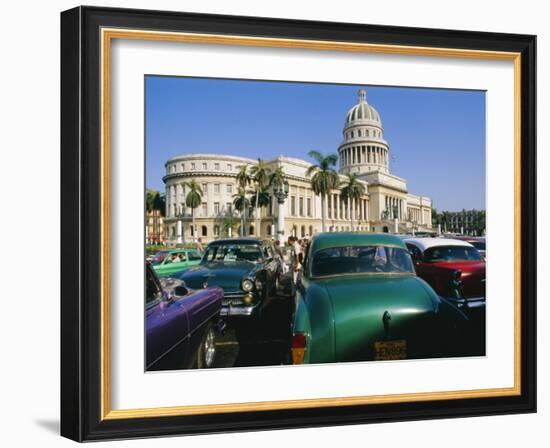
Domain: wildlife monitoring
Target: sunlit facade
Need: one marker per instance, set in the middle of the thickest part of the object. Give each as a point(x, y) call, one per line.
point(386, 206)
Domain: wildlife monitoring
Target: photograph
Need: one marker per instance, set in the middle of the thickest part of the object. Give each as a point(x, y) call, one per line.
point(272, 223)
point(291, 223)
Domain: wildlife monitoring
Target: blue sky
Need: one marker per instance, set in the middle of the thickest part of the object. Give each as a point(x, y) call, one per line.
point(436, 137)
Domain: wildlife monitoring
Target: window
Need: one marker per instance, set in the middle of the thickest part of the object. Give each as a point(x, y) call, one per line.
point(153, 288)
point(229, 167)
point(228, 207)
point(293, 205)
point(216, 230)
point(373, 259)
point(194, 255)
point(205, 189)
point(216, 208)
point(204, 231)
point(183, 166)
point(217, 188)
point(204, 166)
point(193, 165)
point(204, 209)
point(229, 188)
point(359, 133)
point(217, 166)
point(301, 206)
point(416, 253)
point(308, 206)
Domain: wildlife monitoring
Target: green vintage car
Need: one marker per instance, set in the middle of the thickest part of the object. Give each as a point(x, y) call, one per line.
point(168, 262)
point(358, 298)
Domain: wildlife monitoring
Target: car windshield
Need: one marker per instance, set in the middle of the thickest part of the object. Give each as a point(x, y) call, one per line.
point(451, 253)
point(361, 259)
point(232, 252)
point(158, 258)
point(479, 245)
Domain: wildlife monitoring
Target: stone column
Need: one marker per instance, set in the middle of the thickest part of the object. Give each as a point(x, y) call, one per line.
point(353, 220)
point(349, 209)
point(179, 232)
point(281, 220)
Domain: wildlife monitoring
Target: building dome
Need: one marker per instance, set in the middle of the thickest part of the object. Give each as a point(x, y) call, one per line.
point(363, 113)
point(363, 148)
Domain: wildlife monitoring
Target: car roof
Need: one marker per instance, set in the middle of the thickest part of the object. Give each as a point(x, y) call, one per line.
point(426, 243)
point(338, 239)
point(244, 240)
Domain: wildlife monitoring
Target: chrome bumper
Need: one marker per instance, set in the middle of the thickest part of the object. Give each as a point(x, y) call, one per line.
point(231, 309)
point(470, 302)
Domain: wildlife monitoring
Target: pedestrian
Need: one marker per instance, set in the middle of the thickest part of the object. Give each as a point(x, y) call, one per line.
point(200, 248)
point(297, 255)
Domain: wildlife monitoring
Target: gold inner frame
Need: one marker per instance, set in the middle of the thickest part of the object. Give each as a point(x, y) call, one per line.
point(107, 35)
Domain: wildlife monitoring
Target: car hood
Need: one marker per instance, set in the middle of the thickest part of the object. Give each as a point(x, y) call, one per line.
point(359, 304)
point(226, 275)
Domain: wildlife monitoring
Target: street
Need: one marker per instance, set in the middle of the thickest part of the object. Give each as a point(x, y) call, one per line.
point(264, 343)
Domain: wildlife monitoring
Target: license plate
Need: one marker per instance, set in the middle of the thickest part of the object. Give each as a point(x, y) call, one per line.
point(387, 350)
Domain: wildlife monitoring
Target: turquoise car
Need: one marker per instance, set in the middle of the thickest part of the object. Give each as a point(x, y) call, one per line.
point(359, 299)
point(168, 262)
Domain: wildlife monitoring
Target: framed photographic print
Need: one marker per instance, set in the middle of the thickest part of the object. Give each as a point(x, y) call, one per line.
point(275, 224)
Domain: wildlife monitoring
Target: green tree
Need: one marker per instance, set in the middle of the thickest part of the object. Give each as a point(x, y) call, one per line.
point(241, 203)
point(243, 181)
point(260, 175)
point(352, 190)
point(228, 223)
point(324, 177)
point(277, 178)
point(155, 201)
point(193, 200)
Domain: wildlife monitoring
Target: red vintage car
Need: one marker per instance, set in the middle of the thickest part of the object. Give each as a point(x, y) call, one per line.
point(439, 261)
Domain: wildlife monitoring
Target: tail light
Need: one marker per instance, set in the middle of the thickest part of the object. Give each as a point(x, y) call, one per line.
point(298, 348)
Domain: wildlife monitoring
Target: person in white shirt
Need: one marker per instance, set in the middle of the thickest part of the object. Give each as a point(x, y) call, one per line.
point(296, 256)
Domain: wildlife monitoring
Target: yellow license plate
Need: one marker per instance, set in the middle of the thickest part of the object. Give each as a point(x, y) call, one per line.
point(387, 350)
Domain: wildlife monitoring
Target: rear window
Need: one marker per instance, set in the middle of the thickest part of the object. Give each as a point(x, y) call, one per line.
point(361, 259)
point(479, 245)
point(451, 253)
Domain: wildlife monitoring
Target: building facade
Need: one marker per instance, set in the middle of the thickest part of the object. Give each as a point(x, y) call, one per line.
point(386, 206)
point(465, 222)
point(154, 227)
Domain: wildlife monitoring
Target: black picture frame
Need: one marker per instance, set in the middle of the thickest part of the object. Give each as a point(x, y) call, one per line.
point(81, 210)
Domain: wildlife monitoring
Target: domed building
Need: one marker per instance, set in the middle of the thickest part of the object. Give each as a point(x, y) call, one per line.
point(386, 206)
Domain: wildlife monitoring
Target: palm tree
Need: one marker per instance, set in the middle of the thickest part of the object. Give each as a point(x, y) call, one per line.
point(155, 201)
point(193, 200)
point(352, 190)
point(260, 176)
point(228, 224)
point(260, 199)
point(241, 203)
point(243, 180)
point(277, 179)
point(324, 177)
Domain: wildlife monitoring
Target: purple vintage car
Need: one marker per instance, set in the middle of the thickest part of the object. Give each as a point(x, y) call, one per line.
point(181, 324)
